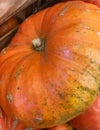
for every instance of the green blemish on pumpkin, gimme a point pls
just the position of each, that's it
(18, 73)
(63, 119)
(99, 68)
(86, 89)
(99, 89)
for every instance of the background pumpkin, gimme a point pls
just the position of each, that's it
(49, 73)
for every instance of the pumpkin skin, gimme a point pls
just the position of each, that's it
(90, 119)
(96, 2)
(49, 73)
(7, 123)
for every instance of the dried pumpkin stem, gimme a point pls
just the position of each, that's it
(38, 44)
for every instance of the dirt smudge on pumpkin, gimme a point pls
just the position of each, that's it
(37, 117)
(9, 98)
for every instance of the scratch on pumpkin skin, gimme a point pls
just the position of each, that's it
(1, 113)
(9, 98)
(18, 73)
(0, 82)
(63, 11)
(15, 124)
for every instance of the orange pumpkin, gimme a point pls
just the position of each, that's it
(50, 72)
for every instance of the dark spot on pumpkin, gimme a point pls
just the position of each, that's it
(61, 95)
(77, 31)
(18, 88)
(23, 65)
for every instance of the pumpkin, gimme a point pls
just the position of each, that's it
(96, 2)
(90, 119)
(50, 72)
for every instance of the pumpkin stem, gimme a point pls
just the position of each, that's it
(38, 44)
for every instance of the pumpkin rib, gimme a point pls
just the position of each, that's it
(5, 105)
